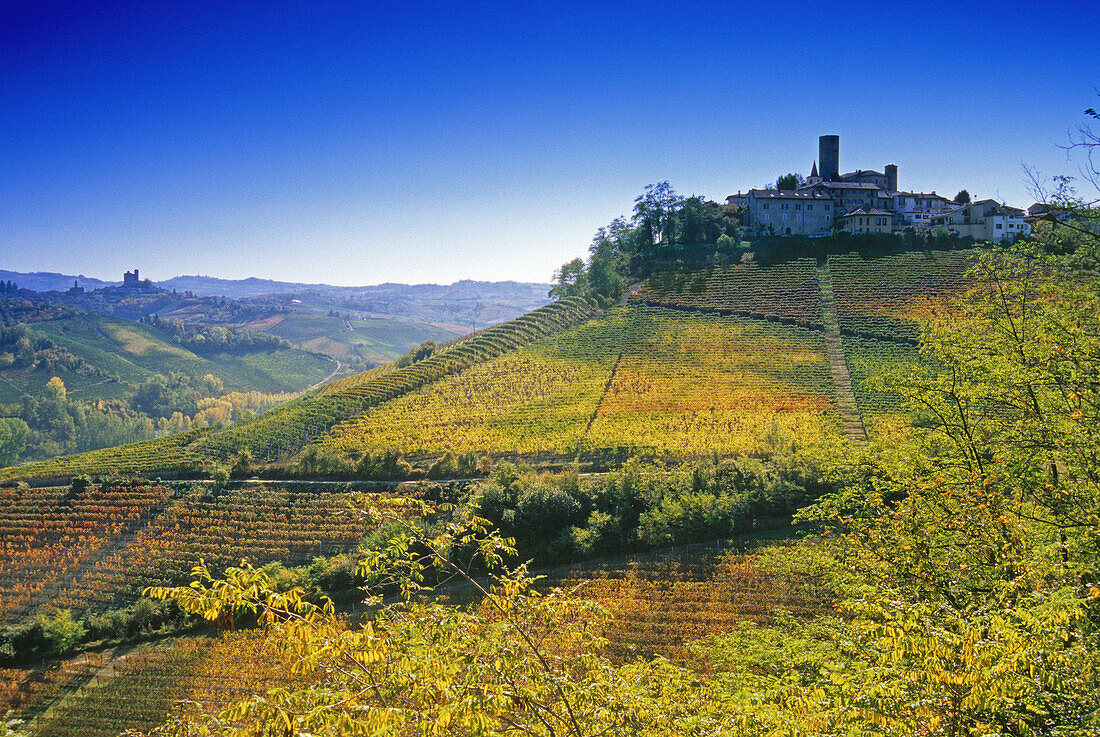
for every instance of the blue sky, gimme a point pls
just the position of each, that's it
(357, 143)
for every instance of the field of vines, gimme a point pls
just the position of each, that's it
(144, 685)
(169, 454)
(893, 296)
(788, 291)
(537, 399)
(661, 602)
(101, 547)
(291, 426)
(692, 384)
(661, 381)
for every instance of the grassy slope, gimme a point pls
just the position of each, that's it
(131, 352)
(374, 339)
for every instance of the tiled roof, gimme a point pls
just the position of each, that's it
(867, 211)
(842, 185)
(926, 195)
(861, 172)
(788, 194)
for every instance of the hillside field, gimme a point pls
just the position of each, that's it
(126, 353)
(733, 362)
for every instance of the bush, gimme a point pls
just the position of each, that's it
(220, 477)
(62, 632)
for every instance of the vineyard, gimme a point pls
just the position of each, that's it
(786, 291)
(537, 399)
(661, 602)
(661, 381)
(894, 296)
(289, 427)
(168, 454)
(101, 547)
(692, 384)
(145, 684)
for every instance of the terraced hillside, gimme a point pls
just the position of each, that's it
(100, 547)
(644, 380)
(891, 297)
(695, 364)
(691, 366)
(288, 428)
(786, 291)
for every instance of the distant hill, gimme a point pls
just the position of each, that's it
(208, 286)
(114, 356)
(46, 281)
(460, 290)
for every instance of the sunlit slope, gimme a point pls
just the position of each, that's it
(787, 292)
(881, 305)
(287, 429)
(169, 454)
(537, 399)
(639, 379)
(696, 384)
(131, 352)
(892, 297)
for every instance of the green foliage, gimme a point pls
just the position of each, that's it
(789, 182)
(418, 353)
(567, 517)
(242, 464)
(61, 631)
(220, 477)
(13, 439)
(969, 558)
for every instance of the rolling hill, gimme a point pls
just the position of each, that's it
(692, 366)
(120, 354)
(727, 363)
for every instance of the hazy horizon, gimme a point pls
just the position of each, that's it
(358, 144)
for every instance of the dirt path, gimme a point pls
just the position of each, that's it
(331, 376)
(850, 417)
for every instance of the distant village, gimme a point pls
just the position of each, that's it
(867, 201)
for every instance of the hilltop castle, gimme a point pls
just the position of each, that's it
(865, 201)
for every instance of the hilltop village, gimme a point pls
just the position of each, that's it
(866, 201)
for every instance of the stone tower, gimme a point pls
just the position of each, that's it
(828, 154)
(891, 172)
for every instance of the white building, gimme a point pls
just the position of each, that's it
(916, 209)
(984, 220)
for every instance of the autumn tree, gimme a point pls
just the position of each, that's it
(521, 663)
(971, 554)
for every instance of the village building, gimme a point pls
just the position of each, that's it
(867, 220)
(916, 209)
(984, 220)
(790, 212)
(859, 201)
